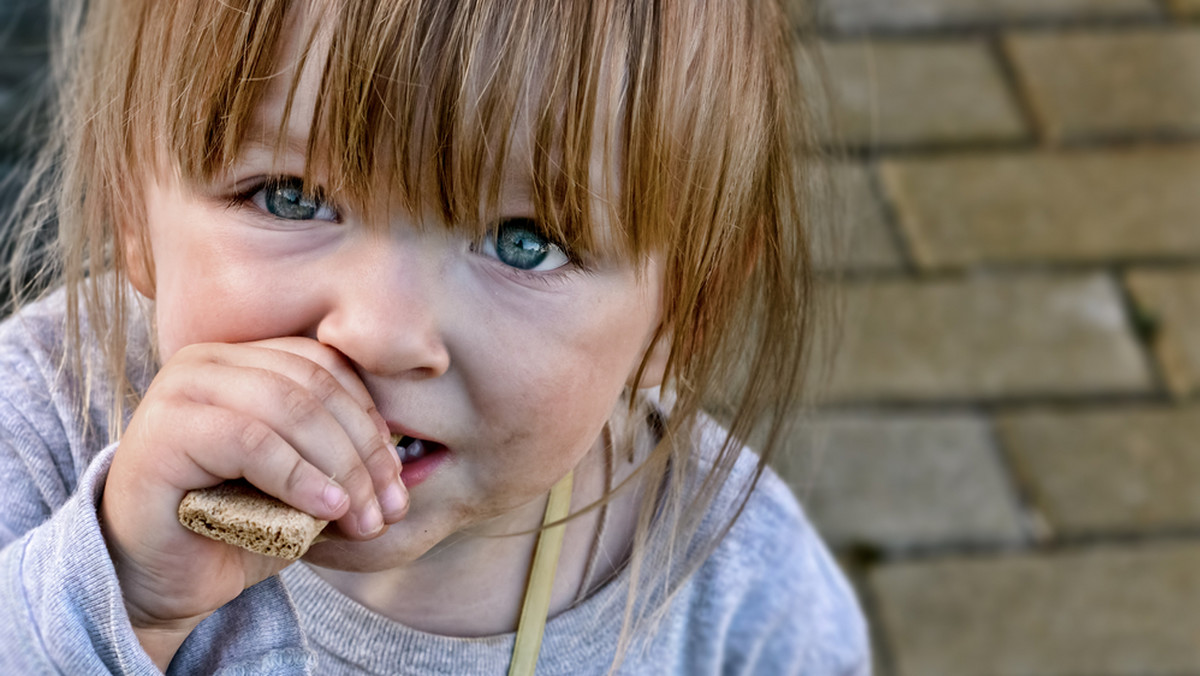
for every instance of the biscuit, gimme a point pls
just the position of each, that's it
(240, 514)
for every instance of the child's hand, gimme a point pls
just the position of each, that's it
(287, 414)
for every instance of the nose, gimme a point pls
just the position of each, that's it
(383, 313)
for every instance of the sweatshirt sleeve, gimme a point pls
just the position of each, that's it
(61, 608)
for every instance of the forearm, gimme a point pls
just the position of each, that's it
(61, 610)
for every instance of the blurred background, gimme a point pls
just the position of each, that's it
(1009, 461)
(23, 67)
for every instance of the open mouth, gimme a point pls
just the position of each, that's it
(411, 448)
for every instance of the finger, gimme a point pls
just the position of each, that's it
(264, 458)
(318, 419)
(337, 364)
(309, 362)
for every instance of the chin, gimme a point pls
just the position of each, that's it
(360, 557)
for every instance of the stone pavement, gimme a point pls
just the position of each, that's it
(1009, 459)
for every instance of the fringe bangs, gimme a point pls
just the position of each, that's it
(424, 102)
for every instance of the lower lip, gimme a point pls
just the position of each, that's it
(415, 472)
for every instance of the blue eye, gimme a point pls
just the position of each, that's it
(518, 243)
(285, 198)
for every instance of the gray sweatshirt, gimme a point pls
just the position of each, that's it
(769, 600)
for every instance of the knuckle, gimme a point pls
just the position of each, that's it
(299, 405)
(357, 478)
(255, 438)
(380, 456)
(188, 352)
(295, 477)
(323, 384)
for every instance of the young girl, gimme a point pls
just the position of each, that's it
(531, 240)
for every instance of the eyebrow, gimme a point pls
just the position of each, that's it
(293, 145)
(263, 134)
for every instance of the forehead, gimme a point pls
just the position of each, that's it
(439, 133)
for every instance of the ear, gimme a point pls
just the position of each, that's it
(653, 368)
(139, 259)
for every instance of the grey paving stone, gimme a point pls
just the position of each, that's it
(1102, 612)
(916, 93)
(986, 338)
(859, 236)
(1171, 299)
(1109, 470)
(858, 15)
(1073, 207)
(899, 481)
(1149, 85)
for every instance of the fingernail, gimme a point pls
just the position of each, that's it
(371, 520)
(334, 496)
(393, 500)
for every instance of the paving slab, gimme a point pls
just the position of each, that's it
(1109, 470)
(1048, 207)
(1103, 612)
(859, 238)
(905, 93)
(865, 15)
(986, 338)
(1149, 85)
(896, 481)
(1170, 299)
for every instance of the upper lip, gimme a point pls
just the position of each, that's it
(403, 431)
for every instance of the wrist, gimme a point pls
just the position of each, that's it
(158, 629)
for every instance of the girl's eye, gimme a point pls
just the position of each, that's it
(285, 198)
(518, 243)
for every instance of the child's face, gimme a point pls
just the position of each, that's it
(509, 373)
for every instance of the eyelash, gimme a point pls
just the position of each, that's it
(549, 279)
(247, 197)
(573, 264)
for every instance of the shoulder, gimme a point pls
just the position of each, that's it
(32, 381)
(33, 337)
(772, 582)
(39, 349)
(55, 401)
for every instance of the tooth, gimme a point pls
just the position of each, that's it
(413, 451)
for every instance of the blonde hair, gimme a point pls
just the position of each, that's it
(701, 117)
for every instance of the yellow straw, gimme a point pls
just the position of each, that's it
(532, 624)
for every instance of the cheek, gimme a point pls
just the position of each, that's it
(210, 293)
(566, 378)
